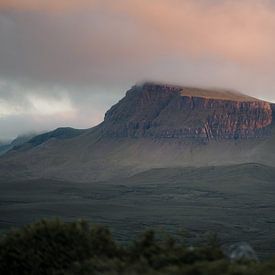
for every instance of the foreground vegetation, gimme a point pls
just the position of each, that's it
(55, 247)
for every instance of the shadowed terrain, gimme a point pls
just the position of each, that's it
(236, 202)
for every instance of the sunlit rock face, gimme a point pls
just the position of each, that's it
(165, 111)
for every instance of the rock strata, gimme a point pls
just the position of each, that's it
(165, 111)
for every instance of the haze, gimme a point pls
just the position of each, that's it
(63, 63)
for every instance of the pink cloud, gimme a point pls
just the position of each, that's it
(45, 5)
(107, 45)
(111, 43)
(239, 31)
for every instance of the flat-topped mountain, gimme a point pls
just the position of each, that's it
(166, 111)
(213, 93)
(153, 126)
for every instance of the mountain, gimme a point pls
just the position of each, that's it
(153, 126)
(166, 157)
(5, 147)
(59, 133)
(163, 111)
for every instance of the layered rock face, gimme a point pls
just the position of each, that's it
(164, 111)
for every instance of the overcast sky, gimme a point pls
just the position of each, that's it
(65, 62)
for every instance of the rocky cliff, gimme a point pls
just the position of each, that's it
(165, 111)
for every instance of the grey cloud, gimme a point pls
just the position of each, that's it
(94, 55)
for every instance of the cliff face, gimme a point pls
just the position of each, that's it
(163, 111)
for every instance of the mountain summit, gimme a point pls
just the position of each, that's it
(166, 111)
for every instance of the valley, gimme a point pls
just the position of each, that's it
(236, 202)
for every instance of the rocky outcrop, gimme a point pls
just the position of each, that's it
(165, 111)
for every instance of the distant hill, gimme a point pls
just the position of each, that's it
(5, 147)
(59, 133)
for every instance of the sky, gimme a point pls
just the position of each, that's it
(65, 62)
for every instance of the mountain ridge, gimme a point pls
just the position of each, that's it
(117, 147)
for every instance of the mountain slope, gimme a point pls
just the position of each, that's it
(153, 126)
(15, 143)
(59, 133)
(4, 147)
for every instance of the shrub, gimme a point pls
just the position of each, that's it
(58, 248)
(46, 246)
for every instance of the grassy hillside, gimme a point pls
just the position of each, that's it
(237, 202)
(90, 158)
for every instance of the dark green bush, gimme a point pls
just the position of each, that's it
(54, 247)
(46, 246)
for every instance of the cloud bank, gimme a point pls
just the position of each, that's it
(84, 54)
